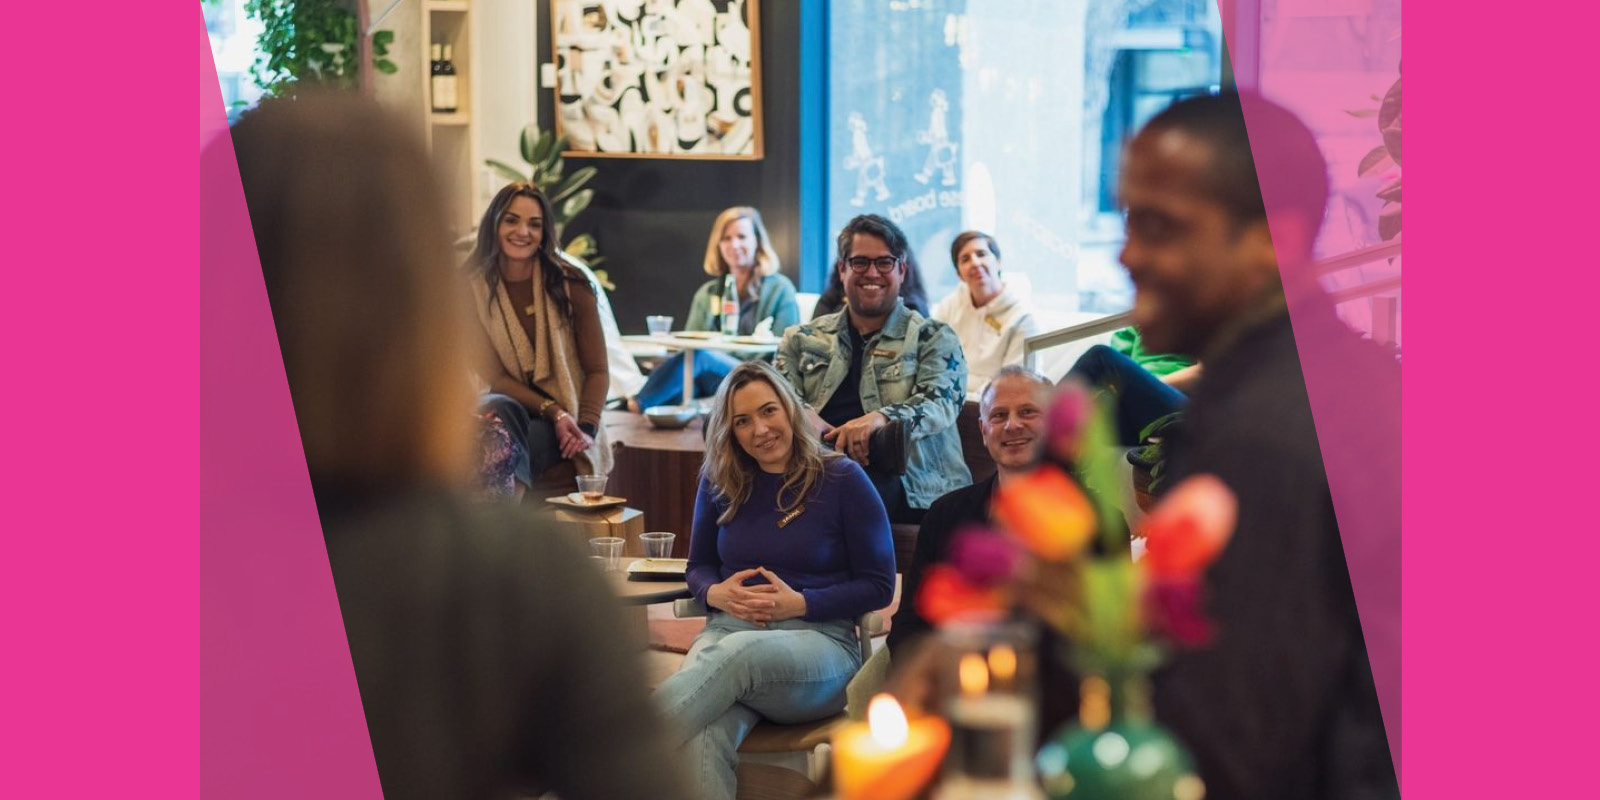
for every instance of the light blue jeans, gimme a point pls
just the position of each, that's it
(664, 386)
(737, 674)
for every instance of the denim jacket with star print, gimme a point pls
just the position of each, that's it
(914, 372)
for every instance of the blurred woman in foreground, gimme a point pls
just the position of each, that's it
(489, 658)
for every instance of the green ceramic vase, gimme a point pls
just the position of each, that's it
(1116, 751)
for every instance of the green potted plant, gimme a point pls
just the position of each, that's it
(312, 40)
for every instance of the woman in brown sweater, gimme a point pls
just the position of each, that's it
(547, 377)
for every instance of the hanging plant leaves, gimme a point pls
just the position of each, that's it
(1375, 161)
(1391, 140)
(1390, 191)
(1389, 222)
(1389, 109)
(1389, 121)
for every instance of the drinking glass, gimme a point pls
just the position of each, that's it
(608, 549)
(592, 487)
(657, 545)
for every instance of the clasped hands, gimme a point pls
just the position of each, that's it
(761, 603)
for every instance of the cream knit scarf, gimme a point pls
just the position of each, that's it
(549, 364)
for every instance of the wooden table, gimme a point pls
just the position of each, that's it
(645, 593)
(658, 471)
(689, 344)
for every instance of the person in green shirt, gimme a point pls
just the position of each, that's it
(738, 245)
(1147, 386)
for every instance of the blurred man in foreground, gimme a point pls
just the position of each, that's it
(1283, 703)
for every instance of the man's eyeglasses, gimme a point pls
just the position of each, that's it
(883, 265)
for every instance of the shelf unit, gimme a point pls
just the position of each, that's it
(451, 138)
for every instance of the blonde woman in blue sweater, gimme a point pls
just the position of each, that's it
(789, 545)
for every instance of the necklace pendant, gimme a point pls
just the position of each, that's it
(790, 517)
(528, 309)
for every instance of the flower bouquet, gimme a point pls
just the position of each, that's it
(1060, 550)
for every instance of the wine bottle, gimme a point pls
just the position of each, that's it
(436, 79)
(448, 70)
(730, 306)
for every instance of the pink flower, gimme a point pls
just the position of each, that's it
(983, 557)
(1172, 608)
(1068, 415)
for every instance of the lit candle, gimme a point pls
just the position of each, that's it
(887, 757)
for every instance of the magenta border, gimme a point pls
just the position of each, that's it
(1498, 547)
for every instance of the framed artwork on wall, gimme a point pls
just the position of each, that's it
(658, 78)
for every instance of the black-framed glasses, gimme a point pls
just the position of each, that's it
(884, 264)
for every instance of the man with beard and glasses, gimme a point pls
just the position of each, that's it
(882, 382)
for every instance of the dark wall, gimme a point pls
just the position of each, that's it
(651, 217)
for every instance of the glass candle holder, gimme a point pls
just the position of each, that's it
(992, 709)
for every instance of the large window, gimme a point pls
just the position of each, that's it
(233, 37)
(1008, 117)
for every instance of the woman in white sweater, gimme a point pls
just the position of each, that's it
(991, 321)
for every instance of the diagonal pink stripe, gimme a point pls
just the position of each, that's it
(1358, 425)
(280, 712)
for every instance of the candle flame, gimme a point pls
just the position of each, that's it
(973, 674)
(1003, 664)
(887, 722)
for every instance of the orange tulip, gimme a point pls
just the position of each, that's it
(1188, 530)
(945, 596)
(1047, 511)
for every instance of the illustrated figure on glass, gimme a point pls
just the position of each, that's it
(868, 165)
(941, 151)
